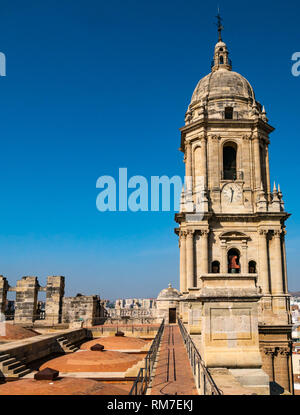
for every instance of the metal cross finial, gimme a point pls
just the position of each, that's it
(219, 24)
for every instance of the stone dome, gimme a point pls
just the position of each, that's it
(222, 83)
(223, 93)
(168, 293)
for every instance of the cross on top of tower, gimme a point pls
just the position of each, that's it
(219, 24)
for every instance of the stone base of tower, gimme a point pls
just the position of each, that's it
(223, 317)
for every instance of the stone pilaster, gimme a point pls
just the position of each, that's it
(182, 245)
(203, 165)
(257, 165)
(268, 173)
(263, 271)
(189, 167)
(204, 251)
(54, 295)
(224, 264)
(244, 258)
(190, 258)
(276, 259)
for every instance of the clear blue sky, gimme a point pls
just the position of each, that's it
(92, 86)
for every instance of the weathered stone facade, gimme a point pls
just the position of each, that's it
(225, 144)
(85, 308)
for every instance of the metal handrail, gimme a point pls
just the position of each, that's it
(143, 378)
(200, 371)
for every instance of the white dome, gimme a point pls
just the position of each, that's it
(168, 293)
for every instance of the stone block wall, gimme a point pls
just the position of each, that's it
(83, 308)
(26, 299)
(54, 297)
(3, 293)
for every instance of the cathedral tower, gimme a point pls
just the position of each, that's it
(233, 275)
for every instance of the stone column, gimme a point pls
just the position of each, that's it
(204, 252)
(190, 258)
(3, 293)
(189, 164)
(263, 271)
(26, 300)
(284, 262)
(277, 277)
(268, 365)
(54, 294)
(224, 262)
(284, 377)
(203, 165)
(246, 161)
(182, 245)
(257, 166)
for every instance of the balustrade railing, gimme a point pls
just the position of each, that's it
(203, 378)
(142, 381)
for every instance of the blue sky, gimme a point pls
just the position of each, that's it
(92, 86)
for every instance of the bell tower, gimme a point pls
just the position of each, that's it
(233, 275)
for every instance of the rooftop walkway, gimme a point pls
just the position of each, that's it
(173, 373)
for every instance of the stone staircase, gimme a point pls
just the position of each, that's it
(66, 345)
(11, 367)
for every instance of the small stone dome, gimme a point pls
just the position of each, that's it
(168, 293)
(65, 386)
(89, 361)
(116, 343)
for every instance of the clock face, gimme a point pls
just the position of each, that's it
(232, 193)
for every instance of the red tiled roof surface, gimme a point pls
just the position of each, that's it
(14, 332)
(88, 361)
(65, 386)
(116, 343)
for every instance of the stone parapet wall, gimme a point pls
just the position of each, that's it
(41, 346)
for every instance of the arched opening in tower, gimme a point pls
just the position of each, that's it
(252, 267)
(215, 267)
(233, 257)
(229, 161)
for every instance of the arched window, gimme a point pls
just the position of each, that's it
(233, 257)
(252, 267)
(221, 60)
(229, 161)
(215, 267)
